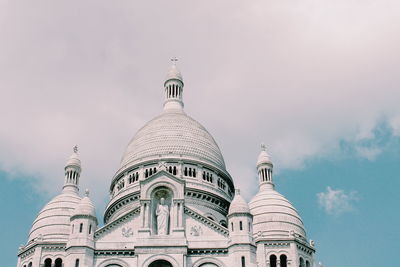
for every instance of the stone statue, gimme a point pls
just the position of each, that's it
(162, 213)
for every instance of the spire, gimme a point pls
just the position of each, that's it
(72, 172)
(173, 87)
(264, 168)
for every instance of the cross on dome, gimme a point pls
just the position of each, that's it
(174, 60)
(263, 147)
(75, 149)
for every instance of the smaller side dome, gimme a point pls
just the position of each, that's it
(274, 216)
(238, 204)
(52, 222)
(85, 207)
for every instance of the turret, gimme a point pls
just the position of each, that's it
(83, 225)
(240, 224)
(173, 87)
(72, 172)
(264, 168)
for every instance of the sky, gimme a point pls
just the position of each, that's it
(316, 81)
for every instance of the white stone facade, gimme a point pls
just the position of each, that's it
(173, 204)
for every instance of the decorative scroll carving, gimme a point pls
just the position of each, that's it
(196, 231)
(127, 232)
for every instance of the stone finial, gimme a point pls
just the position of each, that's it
(174, 60)
(263, 147)
(75, 149)
(87, 192)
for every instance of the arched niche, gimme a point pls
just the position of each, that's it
(156, 195)
(160, 263)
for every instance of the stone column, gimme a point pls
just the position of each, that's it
(178, 217)
(145, 213)
(179, 169)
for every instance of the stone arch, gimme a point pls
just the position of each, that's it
(160, 263)
(117, 262)
(165, 257)
(150, 190)
(203, 261)
(211, 217)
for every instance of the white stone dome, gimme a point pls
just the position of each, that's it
(274, 216)
(173, 134)
(53, 221)
(238, 204)
(85, 207)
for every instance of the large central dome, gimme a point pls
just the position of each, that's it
(173, 134)
(177, 144)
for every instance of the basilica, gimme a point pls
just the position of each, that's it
(172, 204)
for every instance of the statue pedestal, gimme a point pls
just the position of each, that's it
(144, 232)
(178, 232)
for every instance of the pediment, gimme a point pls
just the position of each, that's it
(205, 222)
(111, 226)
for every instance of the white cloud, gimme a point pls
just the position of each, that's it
(336, 202)
(291, 75)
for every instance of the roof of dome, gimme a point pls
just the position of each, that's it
(53, 221)
(85, 207)
(238, 204)
(74, 159)
(264, 157)
(173, 134)
(274, 216)
(174, 73)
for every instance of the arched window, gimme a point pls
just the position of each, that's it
(160, 263)
(47, 262)
(283, 259)
(80, 228)
(90, 229)
(301, 262)
(223, 223)
(58, 262)
(77, 263)
(307, 264)
(243, 259)
(174, 170)
(272, 261)
(232, 226)
(240, 225)
(30, 264)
